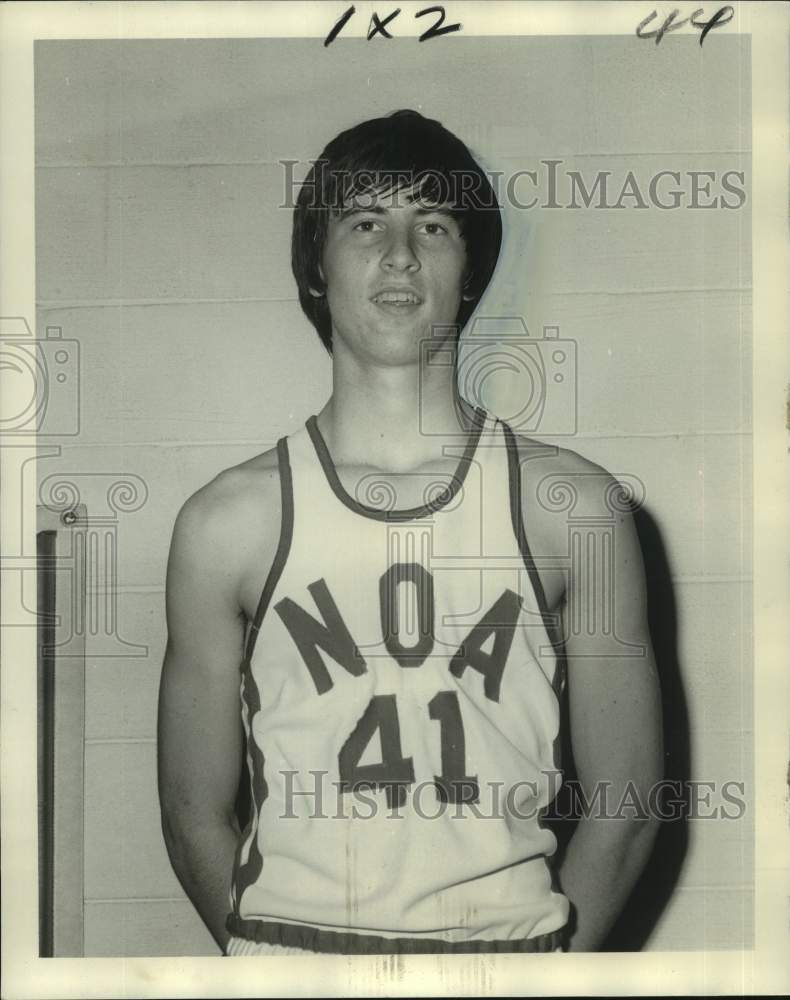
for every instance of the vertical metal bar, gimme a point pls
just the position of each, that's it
(45, 552)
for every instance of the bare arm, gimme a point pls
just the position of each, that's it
(199, 726)
(615, 724)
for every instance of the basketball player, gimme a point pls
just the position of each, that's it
(371, 589)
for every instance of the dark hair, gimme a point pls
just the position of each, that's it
(403, 151)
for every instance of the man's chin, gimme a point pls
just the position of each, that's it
(399, 336)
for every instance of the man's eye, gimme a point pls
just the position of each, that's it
(434, 228)
(367, 226)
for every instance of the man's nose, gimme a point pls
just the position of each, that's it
(399, 254)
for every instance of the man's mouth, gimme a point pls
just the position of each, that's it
(397, 298)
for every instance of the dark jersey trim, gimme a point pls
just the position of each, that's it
(411, 513)
(283, 547)
(348, 943)
(517, 519)
(245, 875)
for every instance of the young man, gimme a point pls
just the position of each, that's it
(376, 577)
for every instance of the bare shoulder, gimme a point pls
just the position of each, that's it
(230, 526)
(559, 486)
(557, 478)
(555, 459)
(240, 493)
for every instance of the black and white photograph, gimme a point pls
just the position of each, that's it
(394, 526)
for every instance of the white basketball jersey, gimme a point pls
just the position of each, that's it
(399, 696)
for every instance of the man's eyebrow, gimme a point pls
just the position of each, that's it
(344, 213)
(438, 210)
(350, 210)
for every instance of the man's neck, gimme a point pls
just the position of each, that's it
(393, 424)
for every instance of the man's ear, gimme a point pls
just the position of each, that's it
(314, 291)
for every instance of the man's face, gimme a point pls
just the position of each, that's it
(393, 268)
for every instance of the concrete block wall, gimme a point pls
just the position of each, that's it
(160, 247)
